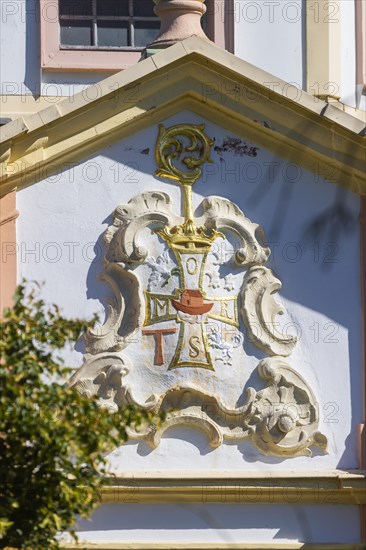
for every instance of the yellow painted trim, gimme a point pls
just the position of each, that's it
(323, 49)
(191, 75)
(178, 545)
(313, 488)
(8, 248)
(15, 106)
(19, 106)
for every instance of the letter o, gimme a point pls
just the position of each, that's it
(258, 172)
(287, 495)
(56, 258)
(285, 12)
(246, 7)
(296, 176)
(87, 92)
(92, 178)
(291, 258)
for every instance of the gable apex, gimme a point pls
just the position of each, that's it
(197, 75)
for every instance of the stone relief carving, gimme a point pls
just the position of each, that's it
(259, 311)
(281, 419)
(285, 413)
(188, 294)
(103, 378)
(161, 270)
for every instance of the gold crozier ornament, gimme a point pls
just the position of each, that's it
(179, 147)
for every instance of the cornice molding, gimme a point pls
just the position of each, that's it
(178, 545)
(8, 259)
(205, 79)
(9, 217)
(311, 487)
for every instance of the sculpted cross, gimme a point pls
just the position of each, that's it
(281, 419)
(188, 307)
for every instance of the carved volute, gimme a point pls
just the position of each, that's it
(187, 304)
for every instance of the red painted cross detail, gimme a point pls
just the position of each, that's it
(158, 335)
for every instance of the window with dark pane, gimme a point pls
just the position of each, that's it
(107, 24)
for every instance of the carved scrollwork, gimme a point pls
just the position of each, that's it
(172, 152)
(174, 290)
(281, 419)
(205, 424)
(223, 215)
(184, 405)
(103, 378)
(122, 237)
(123, 247)
(285, 414)
(259, 310)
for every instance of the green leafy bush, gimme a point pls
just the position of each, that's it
(52, 439)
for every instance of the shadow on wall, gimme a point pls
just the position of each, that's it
(223, 523)
(311, 227)
(32, 77)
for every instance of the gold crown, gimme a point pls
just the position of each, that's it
(171, 148)
(188, 237)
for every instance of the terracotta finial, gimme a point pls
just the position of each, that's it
(180, 19)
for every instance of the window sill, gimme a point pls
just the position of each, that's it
(87, 60)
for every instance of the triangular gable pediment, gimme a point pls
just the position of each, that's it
(195, 75)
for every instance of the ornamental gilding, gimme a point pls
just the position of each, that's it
(190, 297)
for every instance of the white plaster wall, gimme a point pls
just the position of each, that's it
(348, 53)
(60, 232)
(270, 35)
(216, 523)
(20, 63)
(67, 84)
(62, 220)
(19, 47)
(267, 34)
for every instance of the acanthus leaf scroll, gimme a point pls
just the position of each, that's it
(182, 312)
